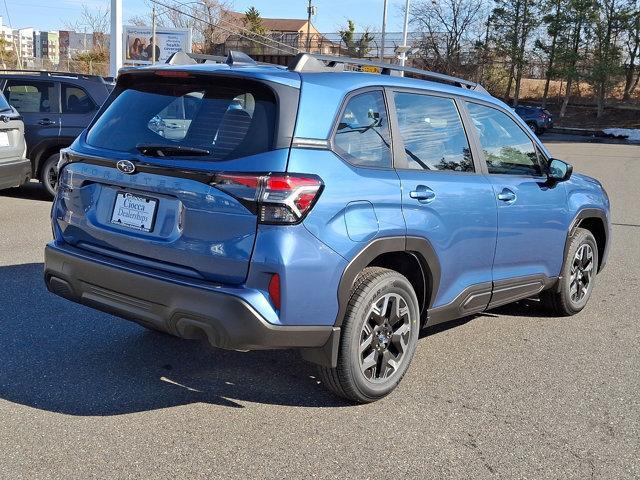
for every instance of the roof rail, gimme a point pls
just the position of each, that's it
(51, 73)
(311, 62)
(233, 58)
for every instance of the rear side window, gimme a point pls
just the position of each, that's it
(4, 105)
(223, 119)
(32, 97)
(432, 131)
(507, 149)
(362, 137)
(76, 100)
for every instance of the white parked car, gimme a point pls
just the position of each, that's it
(15, 168)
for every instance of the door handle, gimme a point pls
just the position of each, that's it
(423, 194)
(507, 196)
(45, 122)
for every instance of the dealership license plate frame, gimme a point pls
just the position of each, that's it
(142, 228)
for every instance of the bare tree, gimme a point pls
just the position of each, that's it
(209, 20)
(94, 20)
(447, 25)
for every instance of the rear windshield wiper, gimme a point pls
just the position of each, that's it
(167, 150)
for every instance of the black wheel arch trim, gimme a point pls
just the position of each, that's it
(43, 150)
(419, 247)
(585, 214)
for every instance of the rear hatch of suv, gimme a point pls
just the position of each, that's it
(166, 175)
(12, 145)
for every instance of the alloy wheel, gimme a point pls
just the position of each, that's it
(51, 177)
(581, 273)
(384, 338)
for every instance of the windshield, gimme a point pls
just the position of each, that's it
(223, 118)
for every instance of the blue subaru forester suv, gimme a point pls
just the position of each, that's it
(319, 208)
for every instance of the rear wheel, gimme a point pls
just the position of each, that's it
(378, 339)
(49, 174)
(578, 276)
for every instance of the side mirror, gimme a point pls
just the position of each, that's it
(559, 171)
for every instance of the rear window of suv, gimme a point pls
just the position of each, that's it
(221, 118)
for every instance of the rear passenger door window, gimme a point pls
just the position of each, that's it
(507, 149)
(76, 100)
(362, 137)
(432, 132)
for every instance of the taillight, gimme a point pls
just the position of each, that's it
(275, 198)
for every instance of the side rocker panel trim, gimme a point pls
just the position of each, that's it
(483, 296)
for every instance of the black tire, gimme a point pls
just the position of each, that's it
(49, 174)
(374, 287)
(571, 295)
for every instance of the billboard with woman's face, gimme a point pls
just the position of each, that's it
(140, 47)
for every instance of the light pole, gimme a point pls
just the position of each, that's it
(403, 56)
(153, 34)
(384, 29)
(115, 42)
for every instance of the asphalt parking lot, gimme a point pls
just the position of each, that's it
(508, 394)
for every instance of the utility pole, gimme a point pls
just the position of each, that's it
(384, 30)
(153, 34)
(115, 41)
(311, 10)
(405, 30)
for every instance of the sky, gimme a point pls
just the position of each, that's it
(332, 15)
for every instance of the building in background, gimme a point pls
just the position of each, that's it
(23, 43)
(284, 38)
(54, 47)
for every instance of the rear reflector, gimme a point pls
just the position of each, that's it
(275, 198)
(274, 290)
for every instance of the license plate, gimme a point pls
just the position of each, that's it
(134, 211)
(4, 139)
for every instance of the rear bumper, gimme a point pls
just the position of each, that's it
(14, 173)
(188, 311)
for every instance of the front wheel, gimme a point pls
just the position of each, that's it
(578, 276)
(379, 337)
(49, 174)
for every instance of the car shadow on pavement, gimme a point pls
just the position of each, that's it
(62, 357)
(28, 191)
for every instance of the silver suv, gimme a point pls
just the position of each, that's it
(15, 168)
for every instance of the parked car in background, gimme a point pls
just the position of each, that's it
(333, 211)
(539, 119)
(55, 108)
(15, 168)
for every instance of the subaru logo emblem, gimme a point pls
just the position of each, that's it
(125, 166)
